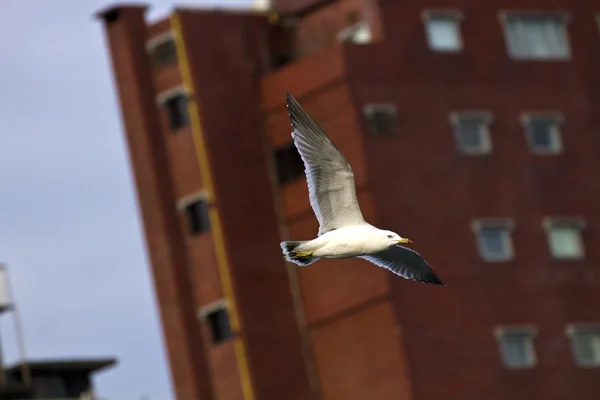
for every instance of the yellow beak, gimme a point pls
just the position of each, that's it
(405, 240)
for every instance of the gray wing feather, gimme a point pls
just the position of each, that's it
(404, 262)
(330, 178)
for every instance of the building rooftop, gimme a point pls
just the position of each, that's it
(61, 365)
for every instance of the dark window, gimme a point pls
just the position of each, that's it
(220, 329)
(470, 133)
(517, 349)
(586, 348)
(197, 216)
(540, 36)
(495, 242)
(177, 109)
(289, 164)
(164, 53)
(282, 59)
(541, 133)
(381, 121)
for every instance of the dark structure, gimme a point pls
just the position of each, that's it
(54, 379)
(472, 129)
(47, 379)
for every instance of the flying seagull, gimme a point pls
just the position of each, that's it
(343, 232)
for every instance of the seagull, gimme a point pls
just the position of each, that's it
(343, 232)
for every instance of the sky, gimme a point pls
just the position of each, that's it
(70, 229)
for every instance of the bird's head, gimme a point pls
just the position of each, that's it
(393, 238)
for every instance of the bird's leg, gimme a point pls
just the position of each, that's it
(303, 253)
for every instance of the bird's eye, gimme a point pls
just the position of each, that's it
(390, 236)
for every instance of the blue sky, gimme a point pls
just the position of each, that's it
(70, 230)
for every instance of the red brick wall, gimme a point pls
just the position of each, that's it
(202, 269)
(126, 34)
(227, 90)
(324, 294)
(437, 192)
(337, 294)
(361, 356)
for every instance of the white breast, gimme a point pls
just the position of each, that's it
(349, 241)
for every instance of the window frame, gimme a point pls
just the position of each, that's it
(571, 332)
(431, 15)
(158, 40)
(486, 118)
(577, 223)
(369, 109)
(203, 315)
(556, 118)
(503, 223)
(164, 97)
(500, 332)
(505, 18)
(185, 202)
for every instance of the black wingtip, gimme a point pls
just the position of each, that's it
(437, 281)
(433, 279)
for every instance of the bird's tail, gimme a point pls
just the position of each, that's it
(302, 258)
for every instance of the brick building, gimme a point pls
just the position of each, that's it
(472, 127)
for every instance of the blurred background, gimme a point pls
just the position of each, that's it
(148, 175)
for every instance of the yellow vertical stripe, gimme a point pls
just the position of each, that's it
(215, 220)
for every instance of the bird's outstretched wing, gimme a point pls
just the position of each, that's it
(330, 178)
(406, 263)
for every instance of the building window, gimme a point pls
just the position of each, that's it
(216, 317)
(442, 29)
(164, 54)
(516, 346)
(197, 216)
(585, 344)
(359, 33)
(381, 119)
(564, 237)
(162, 49)
(288, 163)
(536, 35)
(494, 239)
(177, 110)
(471, 132)
(175, 103)
(543, 132)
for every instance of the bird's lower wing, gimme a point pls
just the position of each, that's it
(405, 262)
(330, 178)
